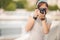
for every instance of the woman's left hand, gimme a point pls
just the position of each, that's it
(41, 16)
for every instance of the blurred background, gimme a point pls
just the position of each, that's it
(14, 15)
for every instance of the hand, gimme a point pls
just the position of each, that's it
(40, 15)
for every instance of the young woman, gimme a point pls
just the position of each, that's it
(38, 25)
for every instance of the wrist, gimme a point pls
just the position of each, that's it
(34, 17)
(43, 19)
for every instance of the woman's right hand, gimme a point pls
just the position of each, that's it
(36, 12)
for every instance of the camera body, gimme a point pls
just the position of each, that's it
(42, 10)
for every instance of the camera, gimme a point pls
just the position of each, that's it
(42, 10)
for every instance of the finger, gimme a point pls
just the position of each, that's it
(36, 12)
(42, 15)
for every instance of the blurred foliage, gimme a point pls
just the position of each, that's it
(10, 7)
(0, 4)
(4, 3)
(21, 4)
(59, 9)
(7, 5)
(31, 8)
(51, 8)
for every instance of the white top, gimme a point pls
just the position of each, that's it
(36, 32)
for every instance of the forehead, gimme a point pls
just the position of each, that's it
(43, 6)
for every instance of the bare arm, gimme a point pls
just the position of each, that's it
(30, 24)
(46, 27)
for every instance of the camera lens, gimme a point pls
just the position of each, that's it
(42, 10)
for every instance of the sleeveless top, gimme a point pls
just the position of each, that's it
(36, 33)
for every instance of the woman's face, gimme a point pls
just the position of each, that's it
(44, 6)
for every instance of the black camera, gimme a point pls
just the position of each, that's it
(42, 10)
